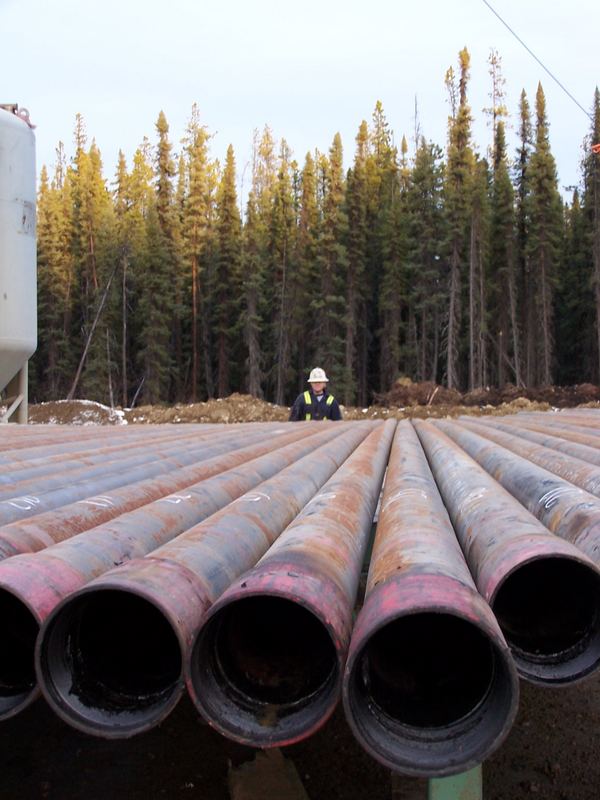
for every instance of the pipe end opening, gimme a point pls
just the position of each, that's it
(430, 694)
(17, 668)
(110, 663)
(549, 612)
(264, 669)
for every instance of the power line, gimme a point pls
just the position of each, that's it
(542, 65)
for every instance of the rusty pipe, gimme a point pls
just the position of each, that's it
(585, 452)
(34, 533)
(128, 467)
(569, 434)
(48, 444)
(564, 431)
(93, 674)
(266, 665)
(430, 687)
(146, 446)
(570, 467)
(31, 585)
(517, 565)
(30, 504)
(565, 509)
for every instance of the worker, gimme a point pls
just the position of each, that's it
(316, 402)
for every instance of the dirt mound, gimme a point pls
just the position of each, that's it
(405, 393)
(235, 408)
(557, 396)
(404, 400)
(75, 412)
(426, 393)
(444, 410)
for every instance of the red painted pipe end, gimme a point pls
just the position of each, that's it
(430, 688)
(19, 629)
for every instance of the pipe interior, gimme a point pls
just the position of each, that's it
(548, 607)
(426, 670)
(117, 649)
(271, 651)
(19, 632)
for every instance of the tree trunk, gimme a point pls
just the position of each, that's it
(514, 324)
(124, 333)
(194, 392)
(282, 338)
(472, 306)
(253, 342)
(349, 394)
(111, 398)
(453, 321)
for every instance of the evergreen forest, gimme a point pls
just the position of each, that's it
(441, 264)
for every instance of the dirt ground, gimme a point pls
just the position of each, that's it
(552, 752)
(238, 408)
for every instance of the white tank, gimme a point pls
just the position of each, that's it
(18, 285)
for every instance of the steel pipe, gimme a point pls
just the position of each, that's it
(151, 459)
(73, 440)
(266, 665)
(565, 509)
(32, 585)
(34, 533)
(125, 449)
(517, 564)
(584, 452)
(577, 435)
(571, 468)
(430, 688)
(31, 504)
(93, 673)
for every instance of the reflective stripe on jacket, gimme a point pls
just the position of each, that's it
(308, 403)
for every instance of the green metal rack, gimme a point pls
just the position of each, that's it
(466, 786)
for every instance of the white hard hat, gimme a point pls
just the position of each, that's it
(317, 375)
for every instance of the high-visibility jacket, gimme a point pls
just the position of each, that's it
(307, 407)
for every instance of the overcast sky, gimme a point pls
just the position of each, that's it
(307, 69)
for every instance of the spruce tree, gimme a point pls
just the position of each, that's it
(226, 298)
(253, 290)
(591, 209)
(155, 316)
(357, 203)
(256, 239)
(427, 256)
(303, 321)
(543, 243)
(281, 269)
(53, 364)
(504, 324)
(170, 228)
(195, 235)
(458, 184)
(329, 307)
(478, 247)
(524, 281)
(397, 332)
(575, 303)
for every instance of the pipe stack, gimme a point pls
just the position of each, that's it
(138, 562)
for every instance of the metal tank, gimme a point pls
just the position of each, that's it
(18, 290)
